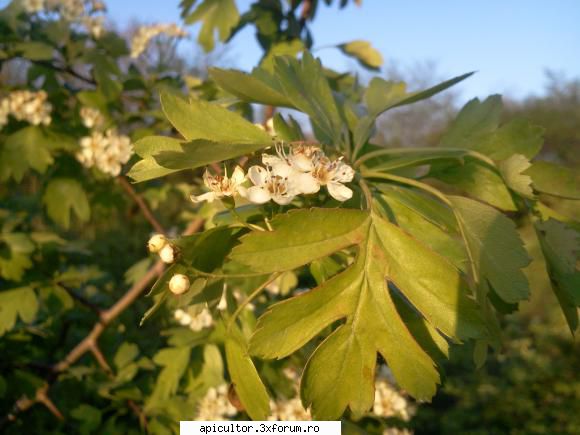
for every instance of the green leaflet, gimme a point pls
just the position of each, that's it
(20, 302)
(148, 168)
(343, 365)
(64, 195)
(249, 87)
(174, 361)
(479, 181)
(214, 133)
(561, 247)
(26, 148)
(555, 180)
(248, 385)
(219, 16)
(495, 248)
(512, 172)
(363, 52)
(15, 252)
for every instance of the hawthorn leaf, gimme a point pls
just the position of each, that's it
(249, 387)
(249, 87)
(413, 157)
(307, 88)
(284, 48)
(34, 50)
(342, 367)
(174, 362)
(22, 150)
(219, 16)
(17, 303)
(475, 121)
(496, 249)
(148, 168)
(561, 248)
(64, 196)
(555, 180)
(518, 136)
(15, 255)
(477, 180)
(198, 119)
(287, 130)
(512, 172)
(364, 53)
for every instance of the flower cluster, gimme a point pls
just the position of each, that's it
(303, 169)
(92, 118)
(215, 405)
(195, 322)
(389, 402)
(145, 34)
(290, 409)
(107, 151)
(76, 11)
(26, 106)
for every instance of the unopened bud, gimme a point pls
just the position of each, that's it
(179, 284)
(167, 254)
(156, 243)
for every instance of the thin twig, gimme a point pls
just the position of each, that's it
(141, 203)
(89, 342)
(65, 70)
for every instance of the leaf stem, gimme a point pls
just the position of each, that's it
(251, 297)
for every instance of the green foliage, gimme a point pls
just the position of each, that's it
(62, 197)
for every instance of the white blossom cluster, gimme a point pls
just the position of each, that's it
(389, 402)
(92, 118)
(107, 151)
(215, 405)
(76, 11)
(145, 34)
(303, 169)
(26, 106)
(195, 322)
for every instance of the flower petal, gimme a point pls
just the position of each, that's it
(238, 176)
(258, 195)
(258, 175)
(208, 196)
(303, 182)
(302, 163)
(339, 191)
(283, 199)
(343, 173)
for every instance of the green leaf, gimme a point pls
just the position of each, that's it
(515, 137)
(250, 87)
(125, 355)
(64, 196)
(148, 168)
(408, 157)
(478, 180)
(382, 95)
(561, 248)
(89, 417)
(364, 53)
(20, 302)
(219, 16)
(174, 361)
(555, 180)
(495, 248)
(284, 48)
(340, 372)
(34, 50)
(307, 88)
(15, 253)
(512, 172)
(475, 121)
(289, 131)
(23, 150)
(249, 387)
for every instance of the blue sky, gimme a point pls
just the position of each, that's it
(509, 42)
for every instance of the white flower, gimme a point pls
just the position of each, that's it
(221, 186)
(179, 284)
(144, 34)
(167, 254)
(268, 186)
(201, 320)
(333, 174)
(215, 406)
(91, 118)
(28, 106)
(33, 6)
(108, 152)
(156, 243)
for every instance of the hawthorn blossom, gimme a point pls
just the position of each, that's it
(92, 118)
(145, 34)
(268, 186)
(215, 405)
(333, 174)
(222, 185)
(28, 106)
(108, 151)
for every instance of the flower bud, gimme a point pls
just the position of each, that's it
(156, 243)
(167, 254)
(179, 284)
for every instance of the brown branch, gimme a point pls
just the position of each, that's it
(89, 343)
(65, 70)
(141, 203)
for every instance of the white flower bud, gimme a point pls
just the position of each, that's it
(179, 284)
(156, 243)
(167, 254)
